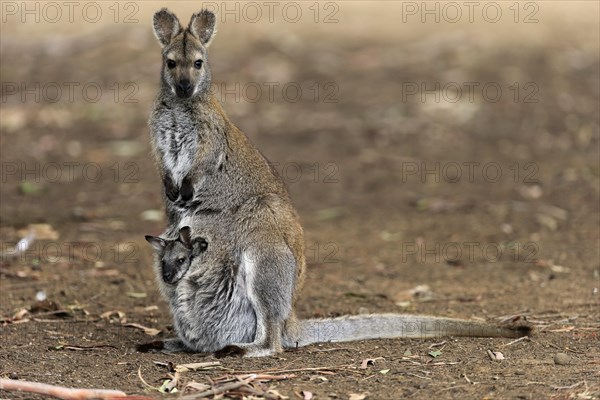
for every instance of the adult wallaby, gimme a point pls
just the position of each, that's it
(241, 299)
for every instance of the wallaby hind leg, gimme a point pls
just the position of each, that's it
(272, 303)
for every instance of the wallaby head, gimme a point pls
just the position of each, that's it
(185, 72)
(176, 255)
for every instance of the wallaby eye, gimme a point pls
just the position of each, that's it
(171, 64)
(181, 260)
(198, 64)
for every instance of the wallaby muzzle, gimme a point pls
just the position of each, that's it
(184, 88)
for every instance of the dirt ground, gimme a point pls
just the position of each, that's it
(485, 188)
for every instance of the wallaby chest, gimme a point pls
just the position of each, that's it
(177, 134)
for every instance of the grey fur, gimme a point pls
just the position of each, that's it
(240, 294)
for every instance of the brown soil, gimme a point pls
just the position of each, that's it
(377, 224)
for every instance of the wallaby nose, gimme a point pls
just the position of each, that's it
(185, 86)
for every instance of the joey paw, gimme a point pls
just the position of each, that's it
(230, 351)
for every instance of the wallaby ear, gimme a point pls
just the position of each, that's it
(156, 242)
(166, 26)
(185, 236)
(203, 25)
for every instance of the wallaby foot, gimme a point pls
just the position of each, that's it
(167, 346)
(230, 351)
(245, 350)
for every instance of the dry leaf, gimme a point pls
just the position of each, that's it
(565, 329)
(136, 295)
(369, 361)
(276, 393)
(20, 314)
(147, 331)
(495, 355)
(198, 387)
(41, 231)
(357, 396)
(196, 366)
(146, 309)
(114, 315)
(306, 395)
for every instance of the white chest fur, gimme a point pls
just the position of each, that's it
(178, 144)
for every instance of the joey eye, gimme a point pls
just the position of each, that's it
(198, 64)
(181, 260)
(171, 64)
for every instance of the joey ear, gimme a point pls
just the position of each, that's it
(166, 26)
(156, 242)
(203, 25)
(185, 236)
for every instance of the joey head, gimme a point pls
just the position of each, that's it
(176, 255)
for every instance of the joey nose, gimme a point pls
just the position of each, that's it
(185, 87)
(168, 276)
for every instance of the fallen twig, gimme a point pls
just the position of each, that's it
(568, 387)
(88, 348)
(437, 344)
(266, 377)
(333, 349)
(450, 388)
(59, 392)
(144, 381)
(280, 371)
(516, 341)
(418, 376)
(221, 389)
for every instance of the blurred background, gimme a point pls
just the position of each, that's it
(440, 143)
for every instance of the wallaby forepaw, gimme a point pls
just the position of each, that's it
(230, 351)
(172, 193)
(187, 189)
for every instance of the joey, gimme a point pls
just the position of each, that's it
(176, 255)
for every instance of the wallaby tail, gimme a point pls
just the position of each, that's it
(386, 326)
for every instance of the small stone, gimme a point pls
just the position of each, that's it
(562, 359)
